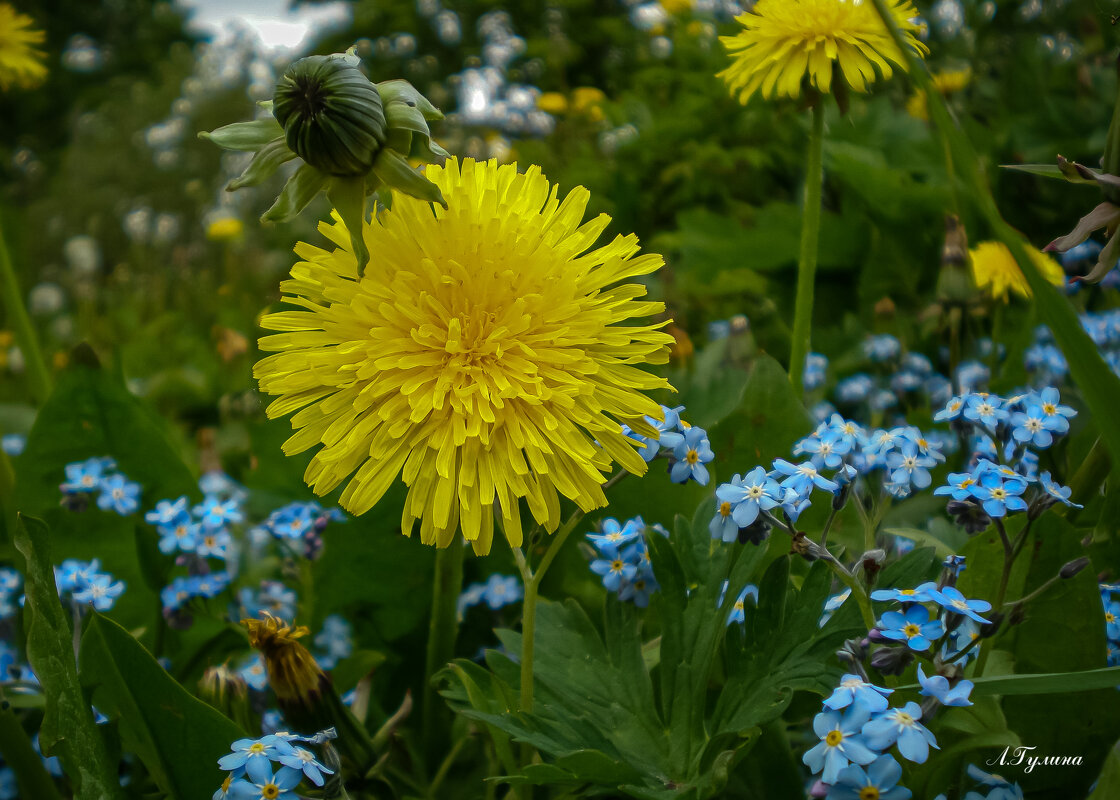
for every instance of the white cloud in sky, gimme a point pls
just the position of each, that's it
(275, 22)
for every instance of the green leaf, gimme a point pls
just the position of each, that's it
(68, 728)
(1049, 171)
(1050, 683)
(178, 737)
(92, 414)
(1063, 630)
(769, 420)
(940, 546)
(246, 136)
(784, 649)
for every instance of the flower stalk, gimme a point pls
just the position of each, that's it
(443, 627)
(807, 261)
(38, 376)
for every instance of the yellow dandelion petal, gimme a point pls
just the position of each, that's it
(488, 354)
(996, 273)
(21, 62)
(782, 42)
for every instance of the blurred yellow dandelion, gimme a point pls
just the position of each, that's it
(487, 354)
(225, 229)
(783, 41)
(946, 83)
(995, 271)
(552, 102)
(21, 63)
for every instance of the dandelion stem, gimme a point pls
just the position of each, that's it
(807, 263)
(38, 376)
(532, 582)
(442, 629)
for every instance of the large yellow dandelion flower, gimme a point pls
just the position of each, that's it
(485, 356)
(782, 41)
(21, 64)
(995, 271)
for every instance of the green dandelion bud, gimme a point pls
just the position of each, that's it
(331, 114)
(352, 138)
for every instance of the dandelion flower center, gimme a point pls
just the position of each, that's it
(486, 355)
(784, 41)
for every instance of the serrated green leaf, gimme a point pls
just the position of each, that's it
(92, 414)
(68, 728)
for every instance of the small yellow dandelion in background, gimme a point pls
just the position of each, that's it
(783, 41)
(995, 271)
(552, 102)
(225, 229)
(21, 63)
(677, 7)
(946, 83)
(487, 354)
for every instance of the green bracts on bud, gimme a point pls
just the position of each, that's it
(331, 114)
(263, 166)
(354, 138)
(245, 136)
(395, 171)
(300, 190)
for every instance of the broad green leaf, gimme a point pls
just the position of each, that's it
(1108, 786)
(68, 728)
(178, 737)
(925, 538)
(92, 414)
(765, 426)
(1049, 683)
(1063, 630)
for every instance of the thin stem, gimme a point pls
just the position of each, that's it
(442, 629)
(38, 376)
(827, 527)
(858, 592)
(532, 581)
(445, 767)
(807, 263)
